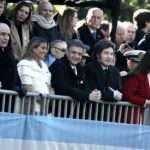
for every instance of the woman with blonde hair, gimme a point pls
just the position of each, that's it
(67, 24)
(33, 71)
(65, 30)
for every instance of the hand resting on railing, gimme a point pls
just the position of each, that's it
(117, 94)
(95, 95)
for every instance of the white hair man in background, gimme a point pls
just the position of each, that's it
(90, 31)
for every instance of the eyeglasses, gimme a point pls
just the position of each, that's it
(61, 49)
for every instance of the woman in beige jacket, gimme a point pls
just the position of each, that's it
(21, 28)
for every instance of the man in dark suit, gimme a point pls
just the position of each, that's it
(90, 32)
(101, 75)
(68, 75)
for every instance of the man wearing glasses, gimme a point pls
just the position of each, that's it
(57, 51)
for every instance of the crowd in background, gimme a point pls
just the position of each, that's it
(48, 53)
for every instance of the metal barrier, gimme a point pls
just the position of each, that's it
(64, 106)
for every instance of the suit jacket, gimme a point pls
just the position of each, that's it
(121, 61)
(18, 48)
(65, 82)
(136, 89)
(96, 79)
(87, 38)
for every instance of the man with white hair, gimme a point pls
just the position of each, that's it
(120, 34)
(130, 34)
(90, 31)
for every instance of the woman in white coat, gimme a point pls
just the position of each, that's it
(33, 71)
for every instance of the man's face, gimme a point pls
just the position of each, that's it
(94, 19)
(46, 10)
(74, 55)
(59, 50)
(120, 37)
(106, 57)
(4, 37)
(130, 33)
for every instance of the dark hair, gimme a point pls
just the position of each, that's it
(144, 43)
(77, 43)
(101, 45)
(34, 43)
(143, 66)
(141, 19)
(105, 26)
(19, 6)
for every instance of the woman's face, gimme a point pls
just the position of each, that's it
(40, 52)
(23, 14)
(2, 5)
(74, 20)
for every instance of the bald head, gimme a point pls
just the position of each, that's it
(4, 28)
(94, 17)
(4, 35)
(45, 9)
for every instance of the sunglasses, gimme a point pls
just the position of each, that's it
(61, 49)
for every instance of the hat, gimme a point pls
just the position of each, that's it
(134, 55)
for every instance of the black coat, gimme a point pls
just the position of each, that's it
(121, 61)
(139, 35)
(87, 38)
(48, 34)
(96, 79)
(3, 19)
(57, 35)
(65, 82)
(8, 70)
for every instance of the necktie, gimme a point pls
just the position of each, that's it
(94, 35)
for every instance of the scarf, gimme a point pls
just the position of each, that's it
(43, 22)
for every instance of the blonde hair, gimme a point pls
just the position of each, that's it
(34, 43)
(65, 21)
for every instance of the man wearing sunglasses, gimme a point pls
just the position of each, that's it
(58, 49)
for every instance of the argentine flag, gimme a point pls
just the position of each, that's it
(20, 132)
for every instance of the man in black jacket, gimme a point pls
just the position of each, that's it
(68, 75)
(9, 77)
(90, 32)
(101, 75)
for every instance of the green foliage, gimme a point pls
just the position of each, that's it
(129, 6)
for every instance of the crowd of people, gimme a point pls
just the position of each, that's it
(49, 53)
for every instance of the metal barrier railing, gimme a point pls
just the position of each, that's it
(64, 106)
